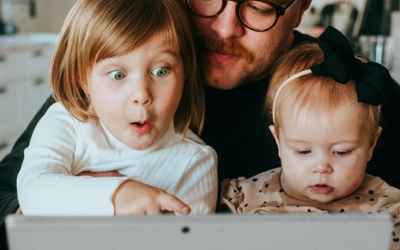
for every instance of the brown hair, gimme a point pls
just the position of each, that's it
(314, 92)
(98, 29)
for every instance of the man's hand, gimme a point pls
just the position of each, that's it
(101, 174)
(133, 197)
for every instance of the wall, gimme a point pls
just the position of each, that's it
(50, 15)
(312, 15)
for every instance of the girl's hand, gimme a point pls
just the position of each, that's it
(101, 174)
(133, 197)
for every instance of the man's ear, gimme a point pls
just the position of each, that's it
(304, 5)
(273, 132)
(373, 143)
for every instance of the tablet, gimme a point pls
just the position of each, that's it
(219, 231)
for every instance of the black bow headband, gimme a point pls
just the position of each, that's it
(374, 85)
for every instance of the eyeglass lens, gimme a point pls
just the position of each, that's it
(255, 15)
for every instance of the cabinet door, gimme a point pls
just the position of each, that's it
(37, 91)
(40, 60)
(12, 105)
(13, 64)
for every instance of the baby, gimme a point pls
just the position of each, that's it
(325, 107)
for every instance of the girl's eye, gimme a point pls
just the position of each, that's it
(160, 72)
(117, 75)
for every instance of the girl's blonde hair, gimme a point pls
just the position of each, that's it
(98, 29)
(317, 93)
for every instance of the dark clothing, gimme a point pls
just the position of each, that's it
(237, 129)
(9, 168)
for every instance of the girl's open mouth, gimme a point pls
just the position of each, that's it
(141, 127)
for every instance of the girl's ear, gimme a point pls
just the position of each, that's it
(373, 143)
(85, 89)
(82, 83)
(273, 132)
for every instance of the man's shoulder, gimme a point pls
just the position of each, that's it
(300, 38)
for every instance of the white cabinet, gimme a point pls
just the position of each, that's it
(24, 82)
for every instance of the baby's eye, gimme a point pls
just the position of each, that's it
(304, 152)
(341, 153)
(160, 72)
(117, 74)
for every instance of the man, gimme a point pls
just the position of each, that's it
(237, 53)
(236, 61)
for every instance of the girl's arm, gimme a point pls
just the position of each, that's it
(199, 185)
(45, 183)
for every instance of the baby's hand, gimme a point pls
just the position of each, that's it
(133, 197)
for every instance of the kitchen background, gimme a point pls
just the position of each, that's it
(28, 33)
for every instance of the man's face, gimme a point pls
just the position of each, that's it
(232, 55)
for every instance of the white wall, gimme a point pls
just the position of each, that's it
(50, 15)
(310, 19)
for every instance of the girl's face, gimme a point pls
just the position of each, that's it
(324, 155)
(136, 95)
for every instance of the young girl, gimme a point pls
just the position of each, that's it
(124, 73)
(324, 136)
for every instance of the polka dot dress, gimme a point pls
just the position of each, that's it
(263, 193)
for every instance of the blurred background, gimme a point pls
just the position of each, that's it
(29, 30)
(372, 26)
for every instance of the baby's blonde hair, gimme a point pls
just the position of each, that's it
(98, 29)
(316, 93)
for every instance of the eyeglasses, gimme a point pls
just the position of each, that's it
(255, 15)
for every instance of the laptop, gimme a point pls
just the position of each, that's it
(219, 231)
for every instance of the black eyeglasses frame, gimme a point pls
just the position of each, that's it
(280, 11)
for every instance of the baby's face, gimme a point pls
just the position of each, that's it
(324, 155)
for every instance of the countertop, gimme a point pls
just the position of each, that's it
(10, 42)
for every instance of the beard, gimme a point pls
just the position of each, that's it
(258, 64)
(230, 47)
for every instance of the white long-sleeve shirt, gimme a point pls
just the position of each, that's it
(62, 147)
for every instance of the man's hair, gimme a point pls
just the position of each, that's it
(316, 93)
(98, 29)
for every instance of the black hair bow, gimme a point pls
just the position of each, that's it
(374, 85)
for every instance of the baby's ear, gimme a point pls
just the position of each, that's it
(272, 129)
(273, 132)
(373, 143)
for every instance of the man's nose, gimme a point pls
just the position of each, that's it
(227, 25)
